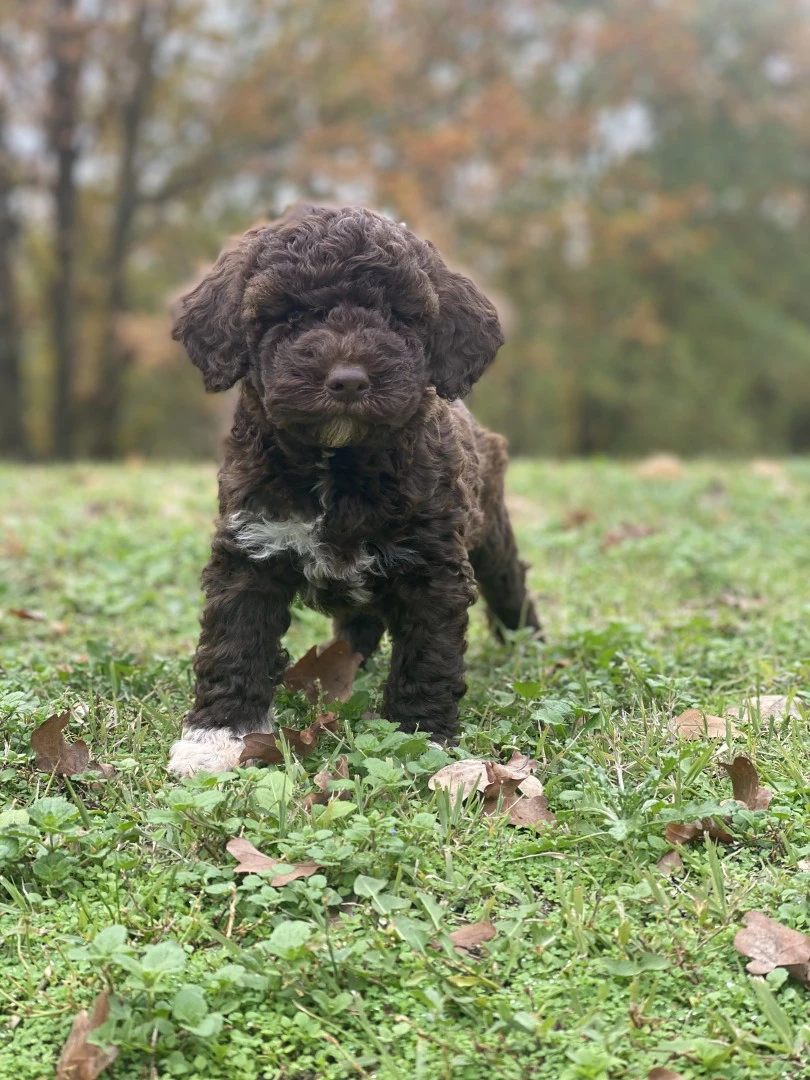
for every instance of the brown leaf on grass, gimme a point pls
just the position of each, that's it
(470, 937)
(252, 861)
(322, 781)
(13, 547)
(766, 706)
(52, 753)
(461, 776)
(508, 789)
(745, 784)
(526, 812)
(741, 603)
(695, 724)
(265, 746)
(767, 469)
(486, 777)
(769, 945)
(261, 746)
(27, 613)
(81, 1060)
(660, 467)
(663, 1074)
(624, 532)
(512, 790)
(508, 777)
(328, 670)
(683, 833)
(747, 792)
(578, 516)
(671, 863)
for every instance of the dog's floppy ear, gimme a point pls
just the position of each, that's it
(465, 335)
(210, 322)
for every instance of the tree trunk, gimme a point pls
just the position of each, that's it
(66, 50)
(13, 441)
(114, 357)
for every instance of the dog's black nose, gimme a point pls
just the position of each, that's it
(347, 383)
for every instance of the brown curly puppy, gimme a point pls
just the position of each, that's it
(352, 476)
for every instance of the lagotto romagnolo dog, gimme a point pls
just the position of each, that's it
(353, 475)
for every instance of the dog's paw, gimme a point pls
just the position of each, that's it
(211, 750)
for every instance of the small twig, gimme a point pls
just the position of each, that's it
(231, 913)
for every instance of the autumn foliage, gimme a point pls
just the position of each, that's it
(627, 178)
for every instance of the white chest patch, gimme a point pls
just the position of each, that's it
(261, 538)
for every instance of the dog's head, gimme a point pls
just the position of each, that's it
(340, 319)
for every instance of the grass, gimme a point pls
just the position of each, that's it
(602, 967)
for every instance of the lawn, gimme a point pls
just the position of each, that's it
(659, 593)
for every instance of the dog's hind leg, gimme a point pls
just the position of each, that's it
(363, 632)
(501, 576)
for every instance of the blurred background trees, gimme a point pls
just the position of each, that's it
(628, 178)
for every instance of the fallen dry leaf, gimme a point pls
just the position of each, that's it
(81, 1060)
(52, 753)
(741, 603)
(526, 812)
(461, 776)
(747, 792)
(767, 705)
(471, 936)
(512, 790)
(663, 1074)
(252, 861)
(745, 784)
(624, 532)
(768, 469)
(578, 516)
(322, 780)
(671, 863)
(769, 945)
(660, 467)
(327, 669)
(508, 777)
(27, 613)
(683, 833)
(508, 789)
(12, 547)
(264, 746)
(695, 724)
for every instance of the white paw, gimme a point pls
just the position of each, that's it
(211, 750)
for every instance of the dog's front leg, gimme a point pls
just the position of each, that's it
(239, 659)
(427, 619)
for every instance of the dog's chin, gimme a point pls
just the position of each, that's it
(341, 431)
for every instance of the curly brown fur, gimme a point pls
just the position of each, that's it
(351, 476)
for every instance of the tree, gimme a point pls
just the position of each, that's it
(13, 441)
(67, 41)
(148, 27)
